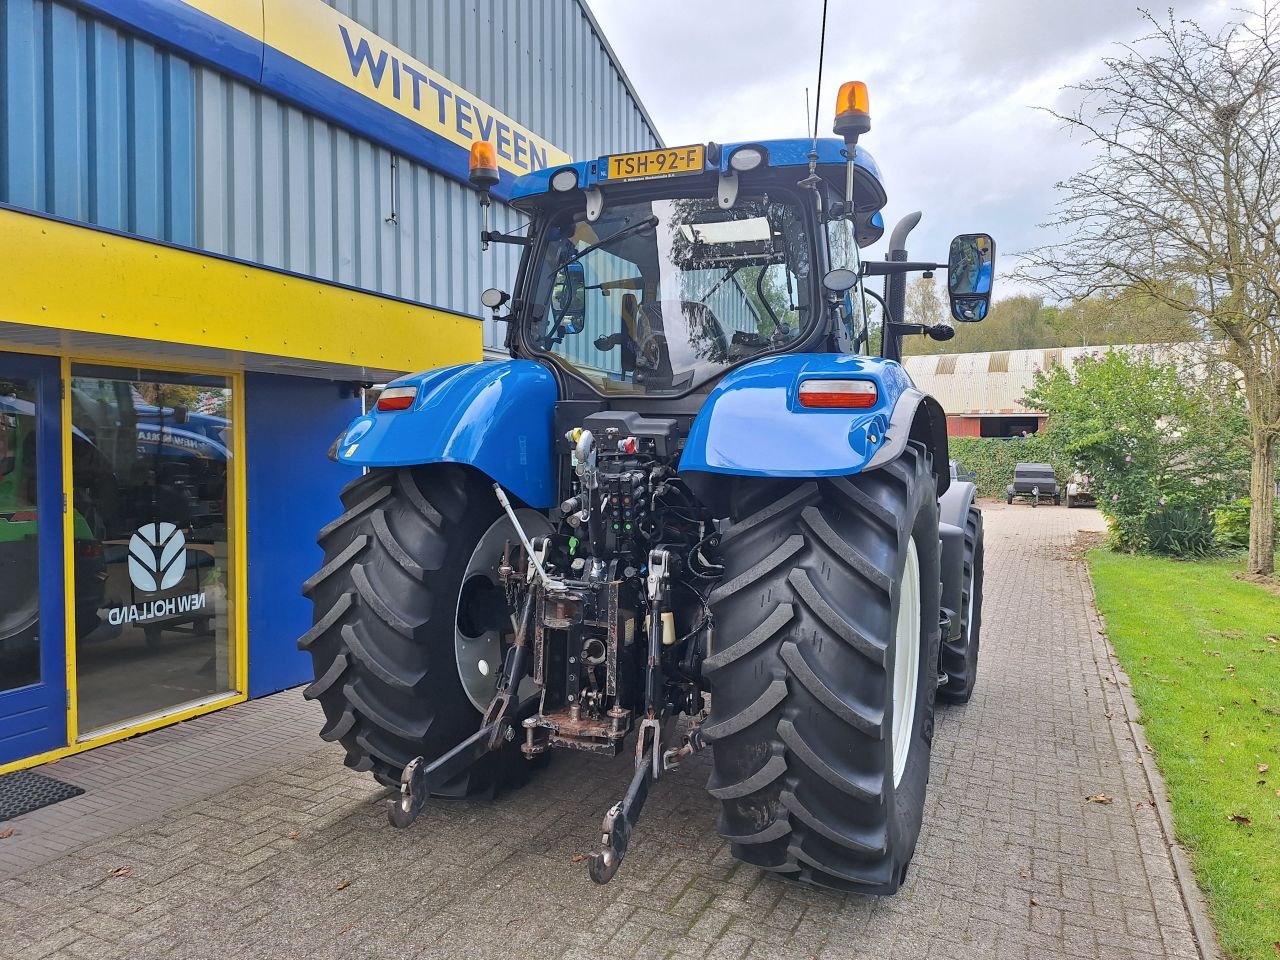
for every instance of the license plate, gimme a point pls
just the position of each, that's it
(668, 162)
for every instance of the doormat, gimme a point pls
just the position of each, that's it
(25, 791)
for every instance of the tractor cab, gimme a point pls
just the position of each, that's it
(653, 273)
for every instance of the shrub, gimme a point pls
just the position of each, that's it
(1180, 530)
(1161, 442)
(1231, 524)
(993, 459)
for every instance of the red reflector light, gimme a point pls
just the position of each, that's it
(397, 398)
(23, 516)
(838, 394)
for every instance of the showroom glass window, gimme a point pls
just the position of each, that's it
(151, 478)
(19, 544)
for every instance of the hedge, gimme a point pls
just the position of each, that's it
(993, 459)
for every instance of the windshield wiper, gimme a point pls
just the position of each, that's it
(651, 221)
(722, 281)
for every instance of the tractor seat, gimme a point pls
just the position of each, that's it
(702, 339)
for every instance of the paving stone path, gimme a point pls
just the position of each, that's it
(170, 857)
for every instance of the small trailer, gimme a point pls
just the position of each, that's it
(1034, 482)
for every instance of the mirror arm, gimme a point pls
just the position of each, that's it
(886, 268)
(495, 236)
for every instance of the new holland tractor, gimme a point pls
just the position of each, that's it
(691, 512)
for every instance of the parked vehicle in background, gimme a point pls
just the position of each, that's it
(1078, 492)
(1034, 482)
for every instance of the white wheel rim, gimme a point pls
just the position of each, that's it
(906, 662)
(479, 654)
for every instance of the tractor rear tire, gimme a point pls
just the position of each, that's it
(803, 689)
(386, 602)
(960, 657)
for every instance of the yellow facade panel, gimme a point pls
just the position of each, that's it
(59, 276)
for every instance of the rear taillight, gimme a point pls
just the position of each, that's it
(397, 398)
(838, 394)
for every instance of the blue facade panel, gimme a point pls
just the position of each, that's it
(292, 492)
(96, 125)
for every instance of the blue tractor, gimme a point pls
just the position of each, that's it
(690, 493)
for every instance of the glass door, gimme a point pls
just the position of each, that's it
(151, 484)
(32, 637)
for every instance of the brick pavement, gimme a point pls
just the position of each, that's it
(297, 860)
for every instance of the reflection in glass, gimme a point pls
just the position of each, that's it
(658, 297)
(969, 265)
(19, 553)
(151, 456)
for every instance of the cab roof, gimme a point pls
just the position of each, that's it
(792, 153)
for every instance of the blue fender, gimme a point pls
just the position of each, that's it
(752, 423)
(497, 417)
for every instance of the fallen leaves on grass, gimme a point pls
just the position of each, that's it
(1099, 798)
(120, 872)
(343, 885)
(1264, 767)
(1240, 818)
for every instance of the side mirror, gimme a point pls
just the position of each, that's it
(970, 270)
(839, 280)
(569, 298)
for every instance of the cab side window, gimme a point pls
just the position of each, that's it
(843, 252)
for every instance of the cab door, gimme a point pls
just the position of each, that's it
(33, 693)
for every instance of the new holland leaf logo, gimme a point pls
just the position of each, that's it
(157, 557)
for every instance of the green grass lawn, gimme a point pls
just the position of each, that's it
(1202, 649)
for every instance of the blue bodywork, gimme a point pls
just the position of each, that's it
(780, 153)
(753, 425)
(791, 153)
(499, 417)
(496, 417)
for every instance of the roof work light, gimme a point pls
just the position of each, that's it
(484, 165)
(484, 177)
(853, 111)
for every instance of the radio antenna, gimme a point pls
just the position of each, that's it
(812, 180)
(808, 127)
(817, 103)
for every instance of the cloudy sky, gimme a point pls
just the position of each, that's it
(953, 86)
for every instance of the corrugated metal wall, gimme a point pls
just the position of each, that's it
(95, 125)
(283, 188)
(123, 135)
(538, 61)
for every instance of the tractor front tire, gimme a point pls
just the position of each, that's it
(386, 607)
(960, 657)
(828, 615)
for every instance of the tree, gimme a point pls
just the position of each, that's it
(923, 305)
(1148, 434)
(1014, 323)
(1182, 204)
(1130, 316)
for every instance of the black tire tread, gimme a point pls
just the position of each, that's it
(380, 600)
(807, 586)
(960, 653)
